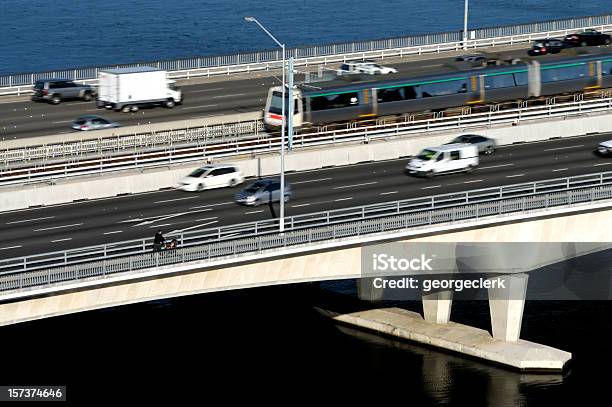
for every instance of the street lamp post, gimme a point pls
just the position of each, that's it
(465, 20)
(282, 171)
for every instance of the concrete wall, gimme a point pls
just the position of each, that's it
(328, 265)
(151, 180)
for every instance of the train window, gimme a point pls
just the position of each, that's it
(390, 95)
(499, 81)
(563, 74)
(442, 88)
(520, 78)
(334, 101)
(606, 68)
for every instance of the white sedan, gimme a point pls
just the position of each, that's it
(366, 67)
(211, 176)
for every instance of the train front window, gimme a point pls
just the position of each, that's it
(276, 105)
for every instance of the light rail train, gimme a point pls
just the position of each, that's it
(337, 102)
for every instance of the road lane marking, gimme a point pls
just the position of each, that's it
(389, 193)
(61, 240)
(176, 199)
(560, 169)
(494, 166)
(248, 213)
(207, 206)
(192, 227)
(564, 148)
(29, 220)
(433, 186)
(63, 121)
(356, 185)
(297, 206)
(205, 90)
(58, 227)
(113, 232)
(470, 182)
(162, 225)
(513, 176)
(342, 199)
(198, 107)
(597, 165)
(311, 180)
(430, 66)
(228, 96)
(10, 247)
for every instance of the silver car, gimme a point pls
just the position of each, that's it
(485, 145)
(263, 191)
(86, 123)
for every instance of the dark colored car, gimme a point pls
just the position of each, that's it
(55, 91)
(485, 145)
(90, 122)
(588, 37)
(547, 46)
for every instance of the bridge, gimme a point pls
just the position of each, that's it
(342, 211)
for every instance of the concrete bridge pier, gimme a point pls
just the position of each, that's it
(506, 306)
(437, 306)
(366, 290)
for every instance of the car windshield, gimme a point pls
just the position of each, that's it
(460, 139)
(198, 173)
(39, 85)
(254, 187)
(426, 155)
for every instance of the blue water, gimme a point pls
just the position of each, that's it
(39, 35)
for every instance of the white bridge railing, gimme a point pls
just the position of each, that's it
(315, 55)
(265, 143)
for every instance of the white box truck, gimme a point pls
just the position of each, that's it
(128, 89)
(448, 158)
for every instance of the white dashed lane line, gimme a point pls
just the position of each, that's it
(61, 240)
(198, 107)
(113, 232)
(560, 169)
(311, 180)
(297, 206)
(495, 166)
(29, 220)
(433, 186)
(471, 182)
(228, 96)
(58, 227)
(389, 193)
(357, 185)
(514, 176)
(10, 247)
(600, 164)
(564, 148)
(208, 206)
(176, 199)
(205, 90)
(342, 199)
(249, 213)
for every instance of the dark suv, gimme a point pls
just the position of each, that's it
(588, 37)
(57, 90)
(547, 46)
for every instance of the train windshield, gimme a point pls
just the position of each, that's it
(276, 104)
(426, 155)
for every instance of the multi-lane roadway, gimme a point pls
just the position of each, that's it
(74, 225)
(24, 118)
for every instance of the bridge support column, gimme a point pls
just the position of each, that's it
(367, 291)
(506, 306)
(437, 306)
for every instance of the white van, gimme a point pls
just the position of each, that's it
(444, 159)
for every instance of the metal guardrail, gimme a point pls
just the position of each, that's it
(254, 237)
(199, 135)
(270, 143)
(322, 54)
